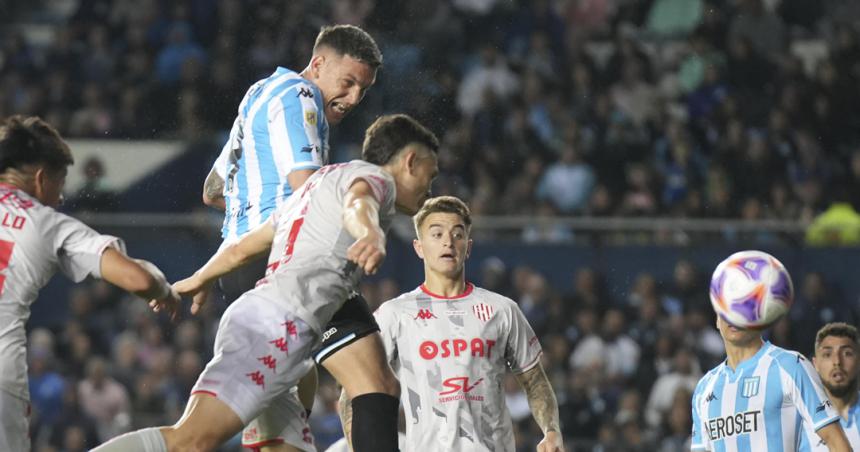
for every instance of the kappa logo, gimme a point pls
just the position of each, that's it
(824, 405)
(269, 361)
(258, 378)
(281, 344)
(310, 149)
(305, 92)
(425, 314)
(711, 397)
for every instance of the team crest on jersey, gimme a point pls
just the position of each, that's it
(483, 312)
(749, 387)
(311, 118)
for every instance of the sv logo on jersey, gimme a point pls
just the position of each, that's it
(460, 387)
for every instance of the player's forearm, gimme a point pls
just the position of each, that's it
(213, 191)
(541, 397)
(344, 405)
(361, 216)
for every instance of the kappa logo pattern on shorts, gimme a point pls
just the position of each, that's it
(280, 344)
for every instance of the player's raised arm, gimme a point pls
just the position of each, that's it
(361, 220)
(250, 246)
(544, 407)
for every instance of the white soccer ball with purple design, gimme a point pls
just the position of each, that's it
(751, 289)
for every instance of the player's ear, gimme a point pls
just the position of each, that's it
(410, 159)
(419, 250)
(317, 62)
(469, 248)
(40, 179)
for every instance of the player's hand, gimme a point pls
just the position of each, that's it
(170, 304)
(368, 252)
(551, 442)
(195, 288)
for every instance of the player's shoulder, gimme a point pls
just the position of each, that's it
(296, 91)
(488, 296)
(399, 303)
(787, 359)
(708, 378)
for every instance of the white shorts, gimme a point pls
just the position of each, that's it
(283, 421)
(261, 351)
(15, 421)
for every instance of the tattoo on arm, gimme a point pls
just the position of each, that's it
(344, 405)
(214, 186)
(541, 398)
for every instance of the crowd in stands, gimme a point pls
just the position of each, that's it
(623, 367)
(680, 108)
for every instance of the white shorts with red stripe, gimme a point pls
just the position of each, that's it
(283, 422)
(261, 351)
(15, 421)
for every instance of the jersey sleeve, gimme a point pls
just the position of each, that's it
(387, 330)
(79, 248)
(227, 155)
(522, 350)
(807, 393)
(382, 187)
(295, 132)
(699, 439)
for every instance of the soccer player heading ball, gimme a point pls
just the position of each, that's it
(762, 397)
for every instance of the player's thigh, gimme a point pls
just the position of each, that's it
(361, 368)
(261, 351)
(282, 426)
(14, 422)
(206, 424)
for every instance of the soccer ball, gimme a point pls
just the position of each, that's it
(751, 289)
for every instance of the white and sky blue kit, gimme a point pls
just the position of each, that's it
(765, 404)
(812, 442)
(283, 112)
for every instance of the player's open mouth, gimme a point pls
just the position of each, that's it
(838, 377)
(447, 256)
(339, 108)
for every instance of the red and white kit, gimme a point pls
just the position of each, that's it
(35, 242)
(451, 355)
(265, 338)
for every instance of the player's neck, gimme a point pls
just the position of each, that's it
(738, 353)
(443, 285)
(843, 404)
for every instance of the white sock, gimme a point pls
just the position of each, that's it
(146, 440)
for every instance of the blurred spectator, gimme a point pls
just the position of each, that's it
(684, 376)
(492, 75)
(568, 182)
(105, 400)
(94, 195)
(673, 18)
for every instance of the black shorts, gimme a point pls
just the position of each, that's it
(352, 322)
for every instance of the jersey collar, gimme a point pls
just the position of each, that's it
(469, 288)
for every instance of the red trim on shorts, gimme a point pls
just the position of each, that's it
(203, 391)
(469, 288)
(269, 442)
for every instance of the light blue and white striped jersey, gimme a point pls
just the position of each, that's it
(760, 405)
(280, 127)
(812, 442)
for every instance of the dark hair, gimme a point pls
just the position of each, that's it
(444, 204)
(350, 40)
(30, 140)
(390, 133)
(836, 329)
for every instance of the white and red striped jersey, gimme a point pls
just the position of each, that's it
(35, 242)
(451, 355)
(308, 268)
